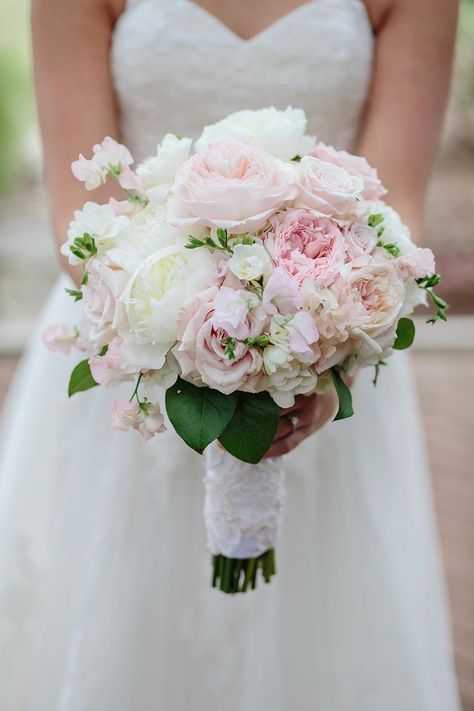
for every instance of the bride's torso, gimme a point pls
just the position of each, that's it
(178, 68)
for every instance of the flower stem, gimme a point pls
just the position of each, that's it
(235, 575)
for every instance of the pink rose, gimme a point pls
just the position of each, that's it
(208, 354)
(106, 281)
(360, 240)
(107, 370)
(60, 338)
(306, 245)
(328, 188)
(355, 165)
(417, 264)
(232, 185)
(145, 417)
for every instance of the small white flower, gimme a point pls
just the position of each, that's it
(99, 221)
(110, 154)
(250, 261)
(88, 172)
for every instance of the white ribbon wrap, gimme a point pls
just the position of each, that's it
(243, 505)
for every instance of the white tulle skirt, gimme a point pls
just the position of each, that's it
(105, 598)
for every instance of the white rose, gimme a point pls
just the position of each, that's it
(153, 297)
(250, 261)
(99, 221)
(281, 133)
(157, 173)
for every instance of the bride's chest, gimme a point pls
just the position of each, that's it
(173, 59)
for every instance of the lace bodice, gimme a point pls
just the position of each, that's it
(177, 68)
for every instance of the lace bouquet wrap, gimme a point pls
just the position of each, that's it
(251, 267)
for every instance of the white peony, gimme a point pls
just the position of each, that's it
(281, 133)
(99, 221)
(157, 173)
(153, 297)
(149, 231)
(250, 261)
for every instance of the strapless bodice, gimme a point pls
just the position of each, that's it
(177, 68)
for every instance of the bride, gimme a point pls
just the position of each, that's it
(105, 602)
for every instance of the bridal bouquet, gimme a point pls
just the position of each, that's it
(240, 271)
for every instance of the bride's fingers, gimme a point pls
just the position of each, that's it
(290, 422)
(286, 444)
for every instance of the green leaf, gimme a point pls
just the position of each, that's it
(85, 278)
(296, 159)
(77, 295)
(344, 394)
(375, 219)
(250, 433)
(405, 334)
(81, 378)
(199, 415)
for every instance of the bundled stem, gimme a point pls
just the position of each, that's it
(236, 575)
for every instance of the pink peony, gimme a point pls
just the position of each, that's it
(306, 245)
(232, 185)
(205, 352)
(107, 370)
(355, 165)
(328, 188)
(417, 264)
(60, 338)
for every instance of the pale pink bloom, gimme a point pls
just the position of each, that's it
(303, 334)
(355, 165)
(232, 185)
(129, 180)
(122, 207)
(306, 245)
(100, 304)
(88, 172)
(153, 421)
(328, 188)
(60, 338)
(417, 264)
(360, 240)
(111, 154)
(108, 370)
(146, 419)
(231, 311)
(126, 415)
(281, 293)
(202, 354)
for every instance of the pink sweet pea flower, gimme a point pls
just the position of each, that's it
(107, 370)
(146, 418)
(60, 338)
(417, 264)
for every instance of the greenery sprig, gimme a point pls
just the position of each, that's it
(427, 283)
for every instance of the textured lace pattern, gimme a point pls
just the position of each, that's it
(177, 68)
(243, 505)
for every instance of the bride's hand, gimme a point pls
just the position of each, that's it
(308, 414)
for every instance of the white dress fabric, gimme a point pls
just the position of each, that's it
(105, 598)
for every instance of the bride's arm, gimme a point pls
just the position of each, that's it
(76, 106)
(414, 48)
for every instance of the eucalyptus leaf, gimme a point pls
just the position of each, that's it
(199, 415)
(344, 394)
(81, 378)
(405, 334)
(250, 432)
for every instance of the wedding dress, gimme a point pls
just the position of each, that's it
(105, 598)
